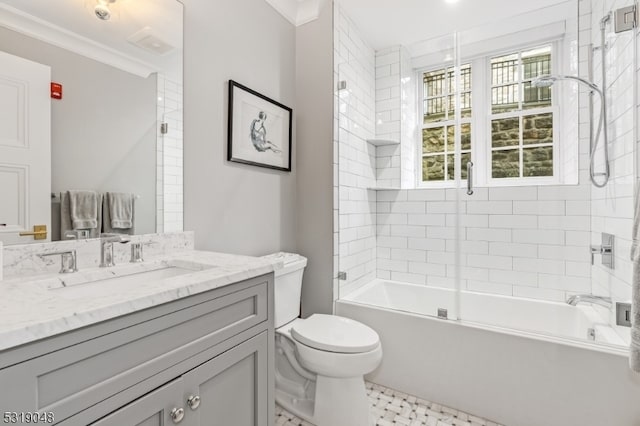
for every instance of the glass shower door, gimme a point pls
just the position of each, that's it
(395, 241)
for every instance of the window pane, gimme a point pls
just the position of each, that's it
(536, 97)
(465, 105)
(536, 62)
(504, 69)
(505, 164)
(505, 132)
(465, 139)
(433, 140)
(504, 83)
(538, 161)
(465, 78)
(434, 83)
(433, 168)
(465, 157)
(434, 110)
(505, 98)
(537, 129)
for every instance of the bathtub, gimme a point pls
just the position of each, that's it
(515, 361)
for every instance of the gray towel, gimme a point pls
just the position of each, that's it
(66, 223)
(84, 209)
(634, 350)
(120, 210)
(107, 220)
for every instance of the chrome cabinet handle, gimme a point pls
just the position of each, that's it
(177, 414)
(469, 178)
(194, 402)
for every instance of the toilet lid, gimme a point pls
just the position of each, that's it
(335, 334)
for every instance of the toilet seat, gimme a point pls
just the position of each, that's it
(335, 334)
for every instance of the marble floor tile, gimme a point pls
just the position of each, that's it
(393, 408)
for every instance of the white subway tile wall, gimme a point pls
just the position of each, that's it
(612, 206)
(513, 241)
(169, 184)
(388, 117)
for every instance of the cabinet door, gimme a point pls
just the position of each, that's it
(232, 388)
(153, 409)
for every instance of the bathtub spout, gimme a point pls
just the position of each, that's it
(590, 298)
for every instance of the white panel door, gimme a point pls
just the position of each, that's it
(25, 148)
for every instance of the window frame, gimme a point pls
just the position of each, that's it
(481, 117)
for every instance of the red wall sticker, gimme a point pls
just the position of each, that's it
(56, 90)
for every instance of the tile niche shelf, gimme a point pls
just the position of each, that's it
(383, 142)
(384, 188)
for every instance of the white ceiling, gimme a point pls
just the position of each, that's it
(76, 19)
(385, 23)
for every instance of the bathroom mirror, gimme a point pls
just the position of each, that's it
(117, 125)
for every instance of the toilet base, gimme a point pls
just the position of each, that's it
(338, 402)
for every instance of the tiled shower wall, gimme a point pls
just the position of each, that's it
(521, 241)
(388, 114)
(169, 185)
(612, 206)
(355, 64)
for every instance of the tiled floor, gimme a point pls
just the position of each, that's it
(391, 408)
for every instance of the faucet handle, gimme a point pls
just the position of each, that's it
(68, 260)
(136, 253)
(595, 250)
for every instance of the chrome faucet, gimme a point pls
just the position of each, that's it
(106, 247)
(68, 260)
(590, 298)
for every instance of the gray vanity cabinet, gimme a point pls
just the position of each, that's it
(146, 368)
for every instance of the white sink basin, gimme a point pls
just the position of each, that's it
(119, 277)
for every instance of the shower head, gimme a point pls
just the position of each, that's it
(548, 81)
(544, 81)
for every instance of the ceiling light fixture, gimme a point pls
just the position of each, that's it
(102, 9)
(452, 1)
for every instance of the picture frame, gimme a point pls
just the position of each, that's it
(259, 129)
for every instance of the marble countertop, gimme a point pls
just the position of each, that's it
(37, 307)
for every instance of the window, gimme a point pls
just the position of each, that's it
(438, 130)
(511, 122)
(521, 116)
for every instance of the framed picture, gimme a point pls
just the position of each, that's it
(259, 129)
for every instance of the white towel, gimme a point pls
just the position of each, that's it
(121, 210)
(83, 206)
(65, 217)
(634, 350)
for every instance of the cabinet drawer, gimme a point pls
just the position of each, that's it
(69, 380)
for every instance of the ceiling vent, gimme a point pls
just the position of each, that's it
(148, 40)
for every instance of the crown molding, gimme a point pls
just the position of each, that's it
(298, 12)
(47, 32)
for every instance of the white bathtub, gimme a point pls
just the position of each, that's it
(513, 360)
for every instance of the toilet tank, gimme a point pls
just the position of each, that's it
(288, 286)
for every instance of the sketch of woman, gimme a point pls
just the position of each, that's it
(259, 135)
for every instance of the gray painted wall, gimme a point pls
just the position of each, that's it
(103, 131)
(234, 207)
(314, 100)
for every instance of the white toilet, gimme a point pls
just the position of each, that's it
(321, 360)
